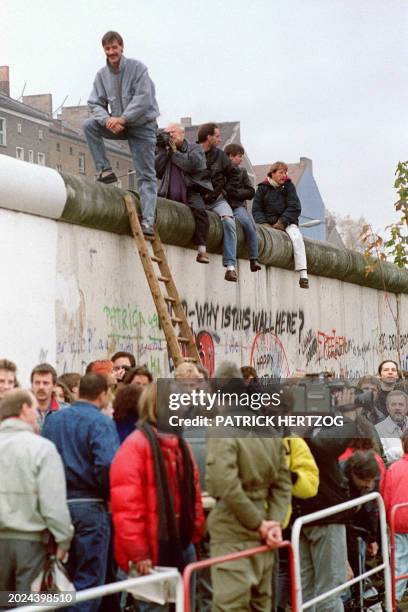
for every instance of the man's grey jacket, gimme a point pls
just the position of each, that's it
(32, 486)
(128, 93)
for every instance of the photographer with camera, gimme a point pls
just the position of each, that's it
(182, 168)
(322, 570)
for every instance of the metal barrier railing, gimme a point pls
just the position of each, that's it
(385, 566)
(198, 565)
(394, 577)
(115, 587)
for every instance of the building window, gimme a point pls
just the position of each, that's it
(81, 163)
(131, 178)
(41, 159)
(40, 135)
(3, 140)
(20, 153)
(31, 156)
(58, 146)
(19, 128)
(71, 152)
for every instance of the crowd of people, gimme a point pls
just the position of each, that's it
(83, 465)
(201, 175)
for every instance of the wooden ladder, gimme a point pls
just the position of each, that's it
(181, 345)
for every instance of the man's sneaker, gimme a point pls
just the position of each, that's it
(148, 230)
(107, 178)
(231, 275)
(202, 258)
(255, 265)
(304, 283)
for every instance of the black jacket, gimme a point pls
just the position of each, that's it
(223, 173)
(273, 203)
(191, 160)
(238, 196)
(333, 484)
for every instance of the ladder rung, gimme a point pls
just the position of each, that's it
(190, 359)
(163, 279)
(156, 259)
(176, 320)
(170, 299)
(182, 339)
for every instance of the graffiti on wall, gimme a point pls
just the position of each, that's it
(276, 342)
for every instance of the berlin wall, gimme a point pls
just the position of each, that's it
(74, 290)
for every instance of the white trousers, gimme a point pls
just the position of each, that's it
(299, 252)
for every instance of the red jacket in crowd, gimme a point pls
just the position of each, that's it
(134, 499)
(395, 491)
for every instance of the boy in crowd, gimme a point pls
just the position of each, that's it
(237, 200)
(276, 203)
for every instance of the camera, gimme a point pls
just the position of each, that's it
(163, 139)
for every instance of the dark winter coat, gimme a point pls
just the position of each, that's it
(237, 196)
(273, 203)
(224, 174)
(333, 485)
(190, 159)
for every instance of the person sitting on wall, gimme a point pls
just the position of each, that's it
(182, 168)
(237, 200)
(223, 175)
(277, 204)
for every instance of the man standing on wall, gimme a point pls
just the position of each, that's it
(124, 107)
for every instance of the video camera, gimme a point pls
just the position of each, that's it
(317, 394)
(163, 139)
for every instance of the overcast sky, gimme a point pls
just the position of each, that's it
(325, 79)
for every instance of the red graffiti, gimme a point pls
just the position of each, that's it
(205, 346)
(331, 346)
(268, 356)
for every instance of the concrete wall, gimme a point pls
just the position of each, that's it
(72, 294)
(76, 294)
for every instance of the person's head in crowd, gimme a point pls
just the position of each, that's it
(139, 375)
(126, 402)
(209, 136)
(249, 374)
(397, 406)
(404, 442)
(43, 380)
(362, 471)
(8, 376)
(235, 152)
(148, 405)
(122, 362)
(177, 133)
(388, 373)
(278, 173)
(62, 394)
(19, 404)
(104, 367)
(186, 371)
(203, 371)
(365, 444)
(71, 380)
(93, 388)
(369, 383)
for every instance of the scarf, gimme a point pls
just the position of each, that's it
(273, 183)
(173, 538)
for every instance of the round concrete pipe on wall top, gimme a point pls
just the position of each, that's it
(31, 188)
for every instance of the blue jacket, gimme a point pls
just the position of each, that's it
(87, 441)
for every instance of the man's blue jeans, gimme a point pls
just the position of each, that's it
(88, 554)
(401, 562)
(142, 144)
(249, 227)
(224, 210)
